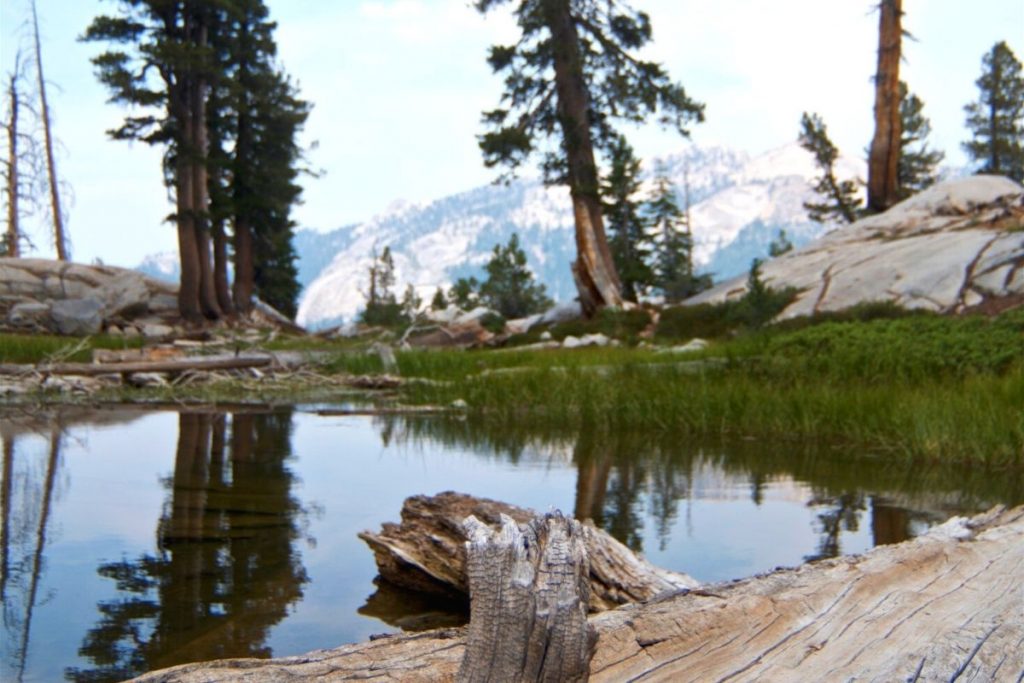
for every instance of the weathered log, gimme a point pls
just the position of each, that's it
(529, 594)
(171, 365)
(944, 606)
(426, 552)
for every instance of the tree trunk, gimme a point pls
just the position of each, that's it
(426, 552)
(188, 248)
(529, 590)
(13, 235)
(945, 606)
(200, 185)
(883, 161)
(244, 285)
(220, 268)
(59, 237)
(594, 270)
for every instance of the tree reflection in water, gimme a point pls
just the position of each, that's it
(623, 477)
(26, 501)
(225, 570)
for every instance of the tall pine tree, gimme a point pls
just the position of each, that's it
(917, 164)
(572, 72)
(627, 231)
(996, 120)
(161, 68)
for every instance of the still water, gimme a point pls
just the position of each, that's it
(135, 540)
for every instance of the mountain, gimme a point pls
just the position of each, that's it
(738, 204)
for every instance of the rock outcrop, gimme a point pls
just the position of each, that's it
(953, 247)
(40, 295)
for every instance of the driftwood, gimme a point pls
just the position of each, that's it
(528, 614)
(426, 552)
(170, 365)
(945, 606)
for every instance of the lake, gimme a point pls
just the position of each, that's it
(137, 539)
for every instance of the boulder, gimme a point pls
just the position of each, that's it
(27, 285)
(954, 246)
(571, 342)
(29, 315)
(77, 317)
(125, 295)
(461, 335)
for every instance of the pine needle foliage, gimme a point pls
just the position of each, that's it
(839, 197)
(996, 120)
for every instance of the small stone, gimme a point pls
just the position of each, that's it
(459, 404)
(545, 336)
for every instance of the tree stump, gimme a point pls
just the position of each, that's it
(529, 592)
(426, 552)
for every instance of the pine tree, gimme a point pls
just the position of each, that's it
(440, 301)
(627, 231)
(840, 196)
(674, 271)
(261, 116)
(465, 293)
(382, 308)
(780, 245)
(162, 68)
(918, 165)
(571, 73)
(510, 288)
(996, 120)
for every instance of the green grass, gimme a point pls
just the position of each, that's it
(21, 348)
(918, 387)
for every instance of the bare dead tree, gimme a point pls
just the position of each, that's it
(19, 167)
(59, 235)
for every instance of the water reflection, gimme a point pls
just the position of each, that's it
(212, 563)
(26, 500)
(225, 569)
(623, 476)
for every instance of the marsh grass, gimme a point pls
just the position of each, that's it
(22, 348)
(918, 387)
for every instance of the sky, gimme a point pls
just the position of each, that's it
(398, 86)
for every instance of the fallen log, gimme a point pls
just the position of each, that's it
(944, 606)
(170, 365)
(426, 552)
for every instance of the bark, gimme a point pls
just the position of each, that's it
(200, 186)
(244, 285)
(945, 606)
(529, 588)
(426, 552)
(594, 270)
(59, 237)
(13, 236)
(220, 269)
(883, 161)
(188, 248)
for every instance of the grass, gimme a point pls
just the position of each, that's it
(919, 387)
(21, 348)
(907, 387)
